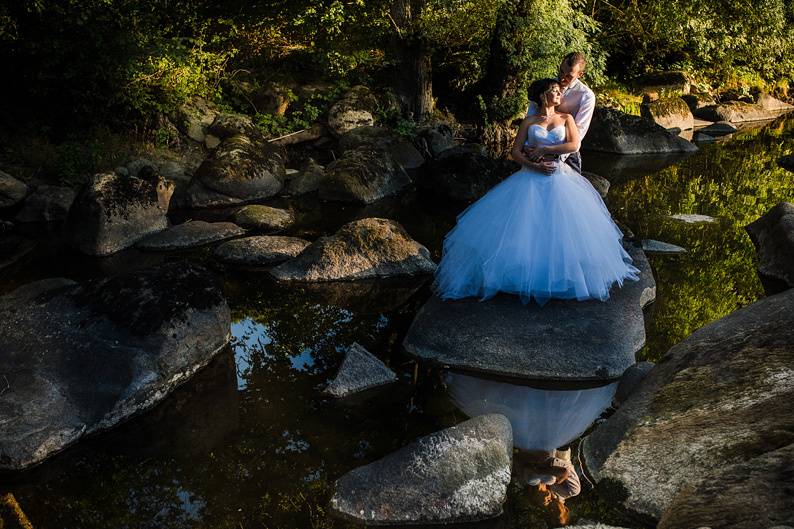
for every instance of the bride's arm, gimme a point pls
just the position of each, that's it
(571, 144)
(518, 153)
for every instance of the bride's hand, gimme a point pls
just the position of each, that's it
(546, 167)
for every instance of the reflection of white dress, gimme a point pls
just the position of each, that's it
(535, 235)
(542, 419)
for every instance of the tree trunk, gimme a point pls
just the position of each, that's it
(414, 80)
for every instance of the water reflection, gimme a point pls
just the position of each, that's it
(542, 419)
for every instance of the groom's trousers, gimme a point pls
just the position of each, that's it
(575, 161)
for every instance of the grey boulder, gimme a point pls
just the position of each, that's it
(47, 204)
(401, 149)
(630, 381)
(360, 370)
(613, 131)
(739, 111)
(363, 249)
(12, 191)
(307, 179)
(653, 246)
(600, 183)
(363, 175)
(720, 398)
(194, 117)
(263, 218)
(355, 109)
(669, 112)
(190, 234)
(773, 237)
(262, 250)
(563, 340)
(693, 218)
(719, 128)
(80, 359)
(457, 475)
(112, 212)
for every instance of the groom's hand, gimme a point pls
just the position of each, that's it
(546, 167)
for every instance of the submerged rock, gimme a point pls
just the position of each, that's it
(190, 235)
(360, 370)
(112, 212)
(718, 399)
(614, 131)
(263, 250)
(652, 246)
(355, 109)
(457, 475)
(362, 249)
(80, 359)
(47, 204)
(12, 191)
(692, 218)
(669, 112)
(264, 218)
(563, 340)
(363, 175)
(773, 237)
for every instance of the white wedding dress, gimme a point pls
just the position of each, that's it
(535, 235)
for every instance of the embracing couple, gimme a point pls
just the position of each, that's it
(543, 233)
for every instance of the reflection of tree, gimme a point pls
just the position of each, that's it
(735, 182)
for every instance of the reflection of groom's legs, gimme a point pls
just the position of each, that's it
(575, 161)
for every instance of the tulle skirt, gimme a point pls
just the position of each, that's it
(538, 236)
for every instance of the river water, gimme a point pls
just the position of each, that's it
(251, 442)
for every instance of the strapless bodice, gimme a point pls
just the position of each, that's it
(538, 135)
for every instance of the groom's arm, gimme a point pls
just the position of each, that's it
(584, 115)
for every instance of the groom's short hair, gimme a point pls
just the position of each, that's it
(574, 58)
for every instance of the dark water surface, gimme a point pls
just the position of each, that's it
(250, 442)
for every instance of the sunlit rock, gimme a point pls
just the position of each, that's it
(263, 250)
(47, 204)
(82, 358)
(669, 112)
(112, 212)
(362, 249)
(12, 191)
(363, 175)
(773, 237)
(693, 218)
(719, 399)
(653, 246)
(739, 111)
(613, 131)
(456, 475)
(263, 218)
(190, 234)
(193, 117)
(563, 340)
(360, 370)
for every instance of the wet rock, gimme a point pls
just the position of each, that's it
(652, 246)
(630, 381)
(400, 149)
(436, 139)
(194, 117)
(242, 169)
(718, 399)
(191, 234)
(614, 131)
(363, 175)
(80, 359)
(13, 248)
(112, 213)
(307, 179)
(669, 112)
(563, 340)
(465, 173)
(362, 249)
(692, 218)
(355, 109)
(457, 475)
(787, 162)
(600, 183)
(264, 218)
(736, 112)
(720, 128)
(47, 204)
(263, 250)
(773, 237)
(360, 370)
(750, 495)
(12, 191)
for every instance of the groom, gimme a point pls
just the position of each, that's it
(577, 100)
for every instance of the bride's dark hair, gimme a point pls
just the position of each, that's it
(540, 87)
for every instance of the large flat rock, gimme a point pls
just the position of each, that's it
(616, 132)
(78, 359)
(709, 421)
(459, 474)
(191, 235)
(563, 340)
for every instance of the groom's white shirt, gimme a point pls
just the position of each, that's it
(577, 100)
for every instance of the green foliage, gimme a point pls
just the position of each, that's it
(302, 113)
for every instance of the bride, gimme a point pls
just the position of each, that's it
(543, 232)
